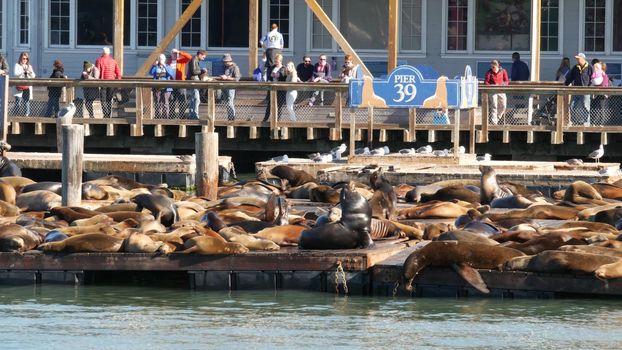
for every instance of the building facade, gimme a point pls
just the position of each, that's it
(444, 34)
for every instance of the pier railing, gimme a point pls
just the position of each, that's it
(140, 103)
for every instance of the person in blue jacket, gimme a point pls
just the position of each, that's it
(520, 70)
(162, 71)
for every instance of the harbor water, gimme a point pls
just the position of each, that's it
(130, 317)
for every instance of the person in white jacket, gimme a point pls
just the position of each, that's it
(23, 94)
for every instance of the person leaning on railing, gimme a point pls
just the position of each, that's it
(496, 75)
(161, 71)
(276, 73)
(599, 102)
(23, 94)
(232, 73)
(580, 75)
(90, 72)
(321, 74)
(194, 72)
(54, 92)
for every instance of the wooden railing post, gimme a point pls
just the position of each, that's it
(137, 129)
(4, 106)
(352, 131)
(73, 151)
(412, 125)
(484, 136)
(211, 109)
(370, 130)
(336, 134)
(274, 110)
(472, 131)
(66, 120)
(456, 132)
(206, 153)
(560, 118)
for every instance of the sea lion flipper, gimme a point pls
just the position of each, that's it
(472, 276)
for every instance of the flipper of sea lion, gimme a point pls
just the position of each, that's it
(472, 276)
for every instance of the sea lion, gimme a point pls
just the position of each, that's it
(119, 216)
(402, 189)
(610, 216)
(141, 243)
(252, 226)
(545, 242)
(608, 271)
(463, 257)
(15, 238)
(539, 211)
(93, 191)
(282, 235)
(213, 221)
(466, 236)
(450, 193)
(7, 193)
(489, 187)
(352, 231)
(514, 201)
(437, 210)
(556, 261)
(38, 201)
(117, 207)
(51, 186)
(294, 177)
(70, 215)
(18, 182)
(515, 236)
(277, 210)
(302, 191)
(8, 209)
(432, 231)
(235, 234)
(324, 194)
(462, 220)
(592, 250)
(580, 192)
(54, 236)
(486, 227)
(209, 245)
(414, 195)
(333, 215)
(383, 228)
(94, 220)
(86, 243)
(388, 200)
(119, 182)
(8, 167)
(80, 230)
(162, 207)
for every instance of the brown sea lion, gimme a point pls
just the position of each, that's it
(277, 210)
(610, 216)
(451, 193)
(86, 243)
(93, 191)
(213, 221)
(463, 257)
(383, 228)
(141, 243)
(294, 177)
(609, 271)
(466, 236)
(512, 202)
(609, 191)
(592, 250)
(333, 215)
(94, 220)
(489, 187)
(432, 231)
(324, 194)
(119, 182)
(592, 226)
(162, 207)
(302, 191)
(38, 201)
(119, 216)
(282, 235)
(438, 210)
(402, 189)
(539, 211)
(556, 261)
(545, 242)
(18, 182)
(388, 201)
(8, 209)
(51, 186)
(117, 207)
(7, 193)
(209, 245)
(235, 234)
(15, 238)
(80, 230)
(580, 192)
(69, 214)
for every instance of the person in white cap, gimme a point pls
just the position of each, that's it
(232, 73)
(108, 70)
(273, 43)
(580, 75)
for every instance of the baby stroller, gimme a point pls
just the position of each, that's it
(545, 113)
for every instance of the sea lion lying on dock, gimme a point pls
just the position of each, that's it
(212, 246)
(15, 238)
(294, 177)
(86, 243)
(556, 261)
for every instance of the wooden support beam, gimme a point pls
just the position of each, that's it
(284, 133)
(253, 133)
(137, 128)
(580, 139)
(4, 107)
(230, 131)
(536, 20)
(310, 133)
(456, 132)
(382, 137)
(118, 33)
(370, 128)
(39, 129)
(206, 150)
(431, 136)
(472, 131)
(484, 135)
(412, 124)
(274, 111)
(506, 136)
(211, 110)
(111, 129)
(604, 140)
(393, 32)
(336, 34)
(560, 118)
(336, 134)
(253, 35)
(16, 129)
(352, 131)
(73, 151)
(530, 136)
(181, 22)
(158, 130)
(183, 131)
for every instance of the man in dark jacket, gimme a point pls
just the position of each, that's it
(520, 71)
(580, 75)
(193, 73)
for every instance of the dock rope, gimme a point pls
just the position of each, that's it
(395, 288)
(340, 278)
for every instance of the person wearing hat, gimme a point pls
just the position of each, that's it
(90, 72)
(161, 71)
(580, 75)
(232, 73)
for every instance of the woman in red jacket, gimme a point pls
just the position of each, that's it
(496, 76)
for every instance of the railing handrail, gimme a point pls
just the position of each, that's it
(553, 90)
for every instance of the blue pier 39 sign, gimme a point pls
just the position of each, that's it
(405, 87)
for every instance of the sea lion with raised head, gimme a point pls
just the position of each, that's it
(489, 187)
(580, 192)
(387, 200)
(352, 231)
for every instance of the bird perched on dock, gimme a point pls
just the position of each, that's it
(440, 153)
(281, 159)
(485, 158)
(312, 156)
(67, 111)
(410, 151)
(324, 158)
(597, 154)
(362, 151)
(609, 171)
(337, 151)
(574, 161)
(427, 149)
(461, 150)
(380, 151)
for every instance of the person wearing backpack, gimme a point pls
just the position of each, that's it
(496, 75)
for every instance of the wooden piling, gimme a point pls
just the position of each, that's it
(73, 151)
(206, 179)
(352, 131)
(60, 121)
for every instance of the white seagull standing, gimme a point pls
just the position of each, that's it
(337, 151)
(597, 154)
(67, 111)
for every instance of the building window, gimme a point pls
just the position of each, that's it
(549, 36)
(457, 24)
(502, 25)
(24, 21)
(147, 26)
(320, 37)
(59, 22)
(279, 13)
(191, 32)
(617, 25)
(228, 23)
(411, 17)
(595, 25)
(362, 30)
(94, 28)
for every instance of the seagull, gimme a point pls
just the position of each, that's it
(380, 151)
(67, 111)
(424, 150)
(281, 159)
(440, 153)
(337, 151)
(313, 155)
(324, 158)
(407, 151)
(461, 150)
(485, 158)
(574, 161)
(362, 151)
(597, 154)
